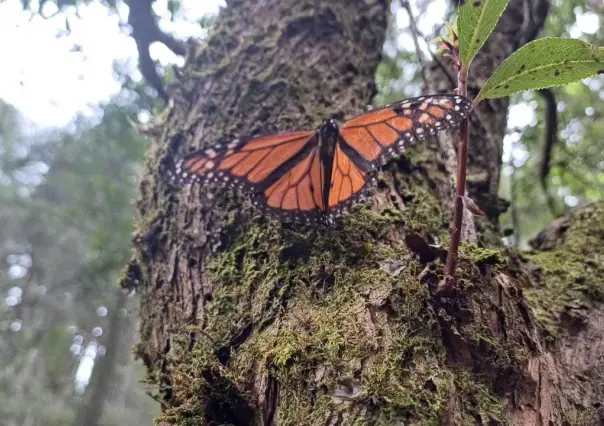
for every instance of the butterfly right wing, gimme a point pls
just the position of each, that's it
(349, 182)
(383, 133)
(374, 138)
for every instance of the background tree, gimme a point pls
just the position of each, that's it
(65, 232)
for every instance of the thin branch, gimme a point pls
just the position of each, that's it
(145, 31)
(448, 282)
(416, 36)
(550, 141)
(531, 25)
(514, 206)
(445, 70)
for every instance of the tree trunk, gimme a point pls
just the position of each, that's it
(104, 375)
(248, 322)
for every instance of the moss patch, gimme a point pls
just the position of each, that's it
(482, 256)
(571, 271)
(340, 320)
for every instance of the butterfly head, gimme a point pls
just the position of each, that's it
(328, 136)
(329, 129)
(331, 124)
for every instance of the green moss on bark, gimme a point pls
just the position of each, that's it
(570, 271)
(341, 321)
(481, 255)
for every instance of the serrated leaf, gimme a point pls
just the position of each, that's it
(475, 21)
(546, 62)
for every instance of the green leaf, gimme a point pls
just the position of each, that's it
(546, 62)
(173, 8)
(476, 20)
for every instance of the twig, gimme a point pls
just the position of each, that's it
(514, 206)
(145, 31)
(462, 163)
(444, 69)
(416, 36)
(550, 141)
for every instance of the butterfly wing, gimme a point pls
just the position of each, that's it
(376, 137)
(297, 194)
(349, 179)
(282, 173)
(385, 132)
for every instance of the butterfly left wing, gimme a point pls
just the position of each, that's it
(247, 162)
(283, 173)
(296, 195)
(384, 133)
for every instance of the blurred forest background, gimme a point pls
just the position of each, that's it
(70, 160)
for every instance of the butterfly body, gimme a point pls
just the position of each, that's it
(308, 176)
(327, 135)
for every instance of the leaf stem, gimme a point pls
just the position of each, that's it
(462, 163)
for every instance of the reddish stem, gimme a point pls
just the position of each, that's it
(462, 163)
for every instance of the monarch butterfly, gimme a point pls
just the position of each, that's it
(308, 176)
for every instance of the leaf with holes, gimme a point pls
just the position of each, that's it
(476, 20)
(546, 62)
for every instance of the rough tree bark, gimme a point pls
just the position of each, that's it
(248, 322)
